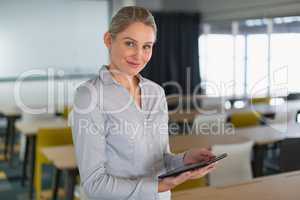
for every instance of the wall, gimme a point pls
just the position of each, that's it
(154, 5)
(117, 4)
(218, 10)
(65, 35)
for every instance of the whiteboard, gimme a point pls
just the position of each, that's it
(64, 35)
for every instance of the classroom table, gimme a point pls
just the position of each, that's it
(63, 159)
(267, 110)
(265, 135)
(261, 135)
(29, 129)
(183, 116)
(188, 117)
(11, 113)
(275, 187)
(181, 143)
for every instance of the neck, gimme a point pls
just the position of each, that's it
(122, 78)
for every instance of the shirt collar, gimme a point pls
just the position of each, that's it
(107, 78)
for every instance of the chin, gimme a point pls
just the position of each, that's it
(133, 71)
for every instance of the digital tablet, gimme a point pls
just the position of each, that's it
(190, 167)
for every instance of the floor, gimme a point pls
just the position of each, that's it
(10, 184)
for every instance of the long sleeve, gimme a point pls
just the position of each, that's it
(89, 136)
(171, 160)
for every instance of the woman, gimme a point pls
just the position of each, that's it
(120, 120)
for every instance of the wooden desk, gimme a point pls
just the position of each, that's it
(260, 108)
(11, 113)
(63, 158)
(9, 110)
(278, 187)
(261, 135)
(183, 116)
(182, 143)
(30, 129)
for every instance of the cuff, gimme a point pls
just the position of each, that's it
(174, 160)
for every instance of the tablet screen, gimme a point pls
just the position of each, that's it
(197, 165)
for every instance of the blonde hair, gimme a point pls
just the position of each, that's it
(129, 15)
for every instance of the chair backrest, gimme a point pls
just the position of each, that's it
(242, 119)
(201, 182)
(27, 117)
(289, 159)
(47, 137)
(258, 100)
(293, 96)
(53, 137)
(66, 111)
(234, 169)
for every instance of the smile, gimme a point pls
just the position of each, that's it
(133, 64)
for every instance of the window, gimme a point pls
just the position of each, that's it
(250, 58)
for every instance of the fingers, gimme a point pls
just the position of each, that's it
(172, 182)
(184, 176)
(181, 178)
(204, 154)
(198, 173)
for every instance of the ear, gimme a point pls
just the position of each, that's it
(107, 40)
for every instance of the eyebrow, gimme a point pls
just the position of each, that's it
(136, 40)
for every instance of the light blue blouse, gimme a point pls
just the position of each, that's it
(120, 148)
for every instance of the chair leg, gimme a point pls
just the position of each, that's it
(32, 166)
(259, 154)
(25, 162)
(6, 142)
(56, 183)
(12, 140)
(70, 183)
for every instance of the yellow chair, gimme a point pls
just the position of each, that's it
(47, 137)
(258, 100)
(242, 119)
(66, 112)
(201, 182)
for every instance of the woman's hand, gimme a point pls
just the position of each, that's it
(171, 182)
(196, 155)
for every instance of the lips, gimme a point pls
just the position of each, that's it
(133, 64)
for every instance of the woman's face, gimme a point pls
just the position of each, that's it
(131, 49)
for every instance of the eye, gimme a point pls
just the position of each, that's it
(129, 43)
(147, 47)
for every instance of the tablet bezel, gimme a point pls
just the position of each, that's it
(190, 167)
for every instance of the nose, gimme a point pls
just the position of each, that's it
(139, 52)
